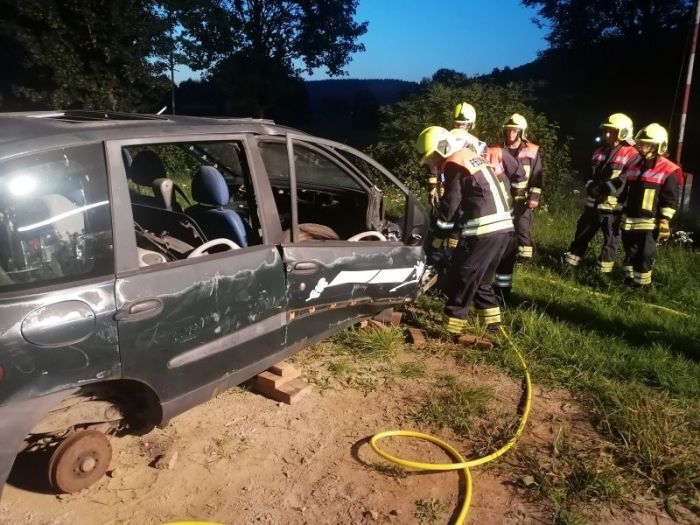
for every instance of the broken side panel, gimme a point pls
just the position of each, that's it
(336, 283)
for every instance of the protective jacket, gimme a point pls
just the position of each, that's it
(651, 194)
(610, 168)
(482, 196)
(524, 169)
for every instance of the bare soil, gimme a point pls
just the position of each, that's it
(243, 458)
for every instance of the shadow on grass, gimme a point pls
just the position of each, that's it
(639, 334)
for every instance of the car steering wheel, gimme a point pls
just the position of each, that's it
(368, 234)
(202, 249)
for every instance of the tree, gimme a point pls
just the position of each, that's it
(79, 53)
(401, 123)
(581, 23)
(255, 43)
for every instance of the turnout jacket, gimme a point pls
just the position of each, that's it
(524, 169)
(482, 196)
(610, 168)
(651, 194)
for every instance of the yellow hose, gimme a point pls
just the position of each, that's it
(460, 463)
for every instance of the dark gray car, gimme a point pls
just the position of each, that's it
(148, 263)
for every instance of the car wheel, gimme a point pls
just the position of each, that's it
(80, 460)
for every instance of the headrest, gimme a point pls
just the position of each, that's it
(209, 187)
(146, 167)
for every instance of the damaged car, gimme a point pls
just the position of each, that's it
(148, 263)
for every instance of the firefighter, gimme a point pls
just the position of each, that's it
(650, 203)
(519, 160)
(465, 116)
(612, 163)
(472, 187)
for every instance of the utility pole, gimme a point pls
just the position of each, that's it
(688, 81)
(172, 66)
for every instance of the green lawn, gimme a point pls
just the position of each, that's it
(630, 357)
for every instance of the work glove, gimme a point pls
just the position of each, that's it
(664, 230)
(434, 197)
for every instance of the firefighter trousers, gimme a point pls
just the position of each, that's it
(471, 278)
(640, 247)
(522, 221)
(588, 224)
(504, 271)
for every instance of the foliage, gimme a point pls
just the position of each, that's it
(259, 45)
(580, 23)
(90, 54)
(433, 105)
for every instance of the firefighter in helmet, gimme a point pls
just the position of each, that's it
(612, 164)
(472, 187)
(650, 204)
(465, 116)
(519, 159)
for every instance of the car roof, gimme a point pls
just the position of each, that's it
(41, 130)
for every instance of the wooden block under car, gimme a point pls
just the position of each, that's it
(395, 318)
(384, 316)
(416, 336)
(270, 380)
(289, 392)
(284, 369)
(474, 340)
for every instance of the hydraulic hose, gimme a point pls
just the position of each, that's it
(460, 462)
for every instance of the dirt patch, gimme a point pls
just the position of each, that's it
(246, 459)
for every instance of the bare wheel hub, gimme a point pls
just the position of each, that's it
(79, 461)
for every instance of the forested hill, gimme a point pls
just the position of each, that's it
(347, 109)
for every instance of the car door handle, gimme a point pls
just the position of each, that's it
(305, 268)
(138, 310)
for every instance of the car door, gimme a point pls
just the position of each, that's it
(333, 283)
(191, 326)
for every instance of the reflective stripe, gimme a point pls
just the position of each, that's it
(615, 174)
(668, 212)
(452, 242)
(610, 186)
(588, 183)
(535, 190)
(590, 202)
(489, 228)
(432, 180)
(444, 225)
(642, 278)
(454, 324)
(637, 224)
(519, 185)
(489, 219)
(648, 200)
(572, 259)
(489, 315)
(527, 169)
(629, 271)
(605, 266)
(504, 280)
(525, 251)
(495, 190)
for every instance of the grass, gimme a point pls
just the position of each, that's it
(631, 358)
(429, 512)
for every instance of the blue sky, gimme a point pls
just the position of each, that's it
(411, 39)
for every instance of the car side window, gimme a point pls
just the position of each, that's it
(188, 194)
(55, 223)
(331, 204)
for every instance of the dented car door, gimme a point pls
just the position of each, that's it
(333, 283)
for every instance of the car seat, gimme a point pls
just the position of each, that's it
(211, 192)
(146, 168)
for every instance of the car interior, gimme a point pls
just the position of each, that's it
(189, 199)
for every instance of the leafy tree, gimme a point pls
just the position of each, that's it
(256, 43)
(402, 123)
(581, 23)
(79, 53)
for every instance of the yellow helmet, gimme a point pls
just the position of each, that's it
(517, 121)
(622, 123)
(654, 134)
(465, 139)
(435, 139)
(465, 114)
